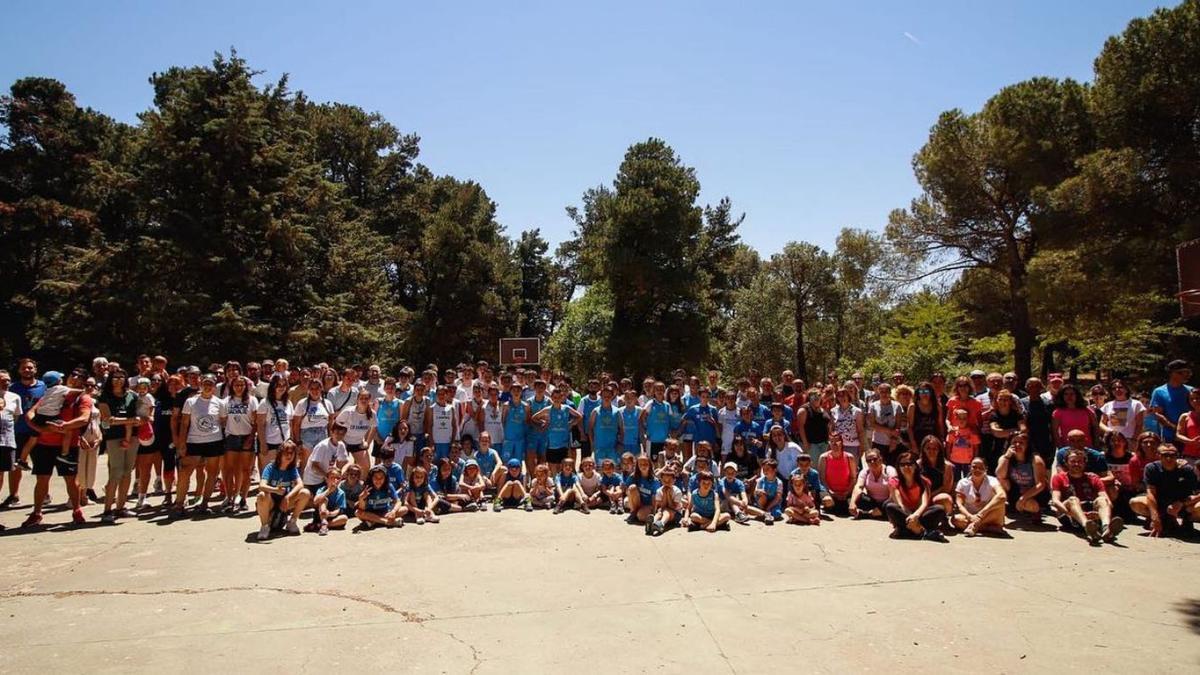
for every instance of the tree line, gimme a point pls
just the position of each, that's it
(243, 219)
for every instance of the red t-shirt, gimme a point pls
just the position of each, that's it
(72, 409)
(911, 495)
(1086, 487)
(974, 412)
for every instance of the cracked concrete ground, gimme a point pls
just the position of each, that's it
(507, 592)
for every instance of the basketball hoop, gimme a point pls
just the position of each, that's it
(1189, 302)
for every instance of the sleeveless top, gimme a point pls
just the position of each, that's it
(416, 416)
(837, 473)
(1021, 473)
(925, 424)
(934, 475)
(816, 425)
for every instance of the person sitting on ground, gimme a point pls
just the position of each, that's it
(909, 507)
(587, 484)
(768, 494)
(980, 502)
(1024, 477)
(379, 504)
(472, 484)
(872, 488)
(1172, 500)
(445, 485)
(510, 487)
(801, 507)
(819, 492)
(352, 486)
(838, 470)
(279, 493)
(612, 487)
(1080, 501)
(330, 504)
(733, 494)
(1095, 461)
(565, 482)
(420, 499)
(668, 504)
(704, 507)
(541, 489)
(640, 488)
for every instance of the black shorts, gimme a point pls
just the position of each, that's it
(556, 455)
(236, 444)
(354, 447)
(512, 502)
(49, 458)
(585, 447)
(656, 448)
(274, 447)
(8, 458)
(206, 450)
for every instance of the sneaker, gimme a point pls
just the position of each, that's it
(291, 527)
(497, 507)
(241, 505)
(420, 520)
(109, 517)
(123, 513)
(11, 501)
(77, 517)
(632, 519)
(649, 528)
(528, 505)
(48, 500)
(1114, 528)
(33, 520)
(583, 508)
(323, 530)
(168, 500)
(741, 518)
(1092, 530)
(91, 494)
(558, 509)
(656, 529)
(768, 519)
(264, 533)
(434, 519)
(935, 535)
(471, 508)
(612, 509)
(311, 527)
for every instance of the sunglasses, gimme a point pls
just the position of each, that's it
(907, 464)
(1168, 454)
(873, 460)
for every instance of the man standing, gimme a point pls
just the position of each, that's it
(1170, 400)
(29, 389)
(47, 454)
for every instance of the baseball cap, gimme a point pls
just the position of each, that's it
(471, 462)
(514, 463)
(52, 378)
(729, 465)
(977, 373)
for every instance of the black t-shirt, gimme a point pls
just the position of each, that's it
(182, 397)
(119, 406)
(1171, 486)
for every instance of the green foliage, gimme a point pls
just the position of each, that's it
(924, 334)
(762, 332)
(579, 344)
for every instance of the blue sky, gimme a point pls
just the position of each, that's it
(806, 115)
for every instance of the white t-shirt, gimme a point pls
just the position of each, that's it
(591, 485)
(278, 420)
(845, 424)
(977, 499)
(462, 393)
(443, 423)
(313, 413)
(206, 414)
(1123, 415)
(493, 422)
(357, 425)
(728, 418)
(9, 414)
(240, 420)
(327, 454)
(466, 416)
(787, 456)
(883, 417)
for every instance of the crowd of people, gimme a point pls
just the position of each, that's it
(326, 448)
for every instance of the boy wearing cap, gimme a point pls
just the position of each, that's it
(733, 494)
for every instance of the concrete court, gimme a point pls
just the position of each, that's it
(518, 592)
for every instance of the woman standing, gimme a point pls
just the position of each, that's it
(1005, 420)
(165, 389)
(311, 418)
(846, 420)
(925, 417)
(964, 399)
(360, 428)
(274, 420)
(118, 413)
(1187, 431)
(240, 428)
(1071, 413)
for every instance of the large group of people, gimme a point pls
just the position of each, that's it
(320, 449)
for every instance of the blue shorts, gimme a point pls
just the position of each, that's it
(441, 450)
(634, 449)
(419, 442)
(512, 450)
(537, 443)
(312, 435)
(602, 454)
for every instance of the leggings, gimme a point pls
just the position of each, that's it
(866, 503)
(931, 519)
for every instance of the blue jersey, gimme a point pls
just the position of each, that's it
(558, 433)
(646, 487)
(813, 479)
(382, 500)
(280, 478)
(631, 435)
(734, 487)
(658, 420)
(514, 426)
(565, 482)
(612, 480)
(29, 395)
(704, 423)
(748, 431)
(705, 505)
(445, 486)
(604, 431)
(387, 416)
(1173, 401)
(687, 401)
(769, 486)
(760, 413)
(586, 405)
(536, 406)
(487, 461)
(335, 499)
(395, 474)
(404, 394)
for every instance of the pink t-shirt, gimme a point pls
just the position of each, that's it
(1070, 419)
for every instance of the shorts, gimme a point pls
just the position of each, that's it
(49, 458)
(23, 438)
(274, 447)
(206, 450)
(121, 461)
(309, 437)
(512, 502)
(354, 447)
(537, 443)
(236, 444)
(441, 451)
(42, 420)
(656, 448)
(606, 453)
(632, 448)
(514, 449)
(556, 455)
(585, 447)
(8, 458)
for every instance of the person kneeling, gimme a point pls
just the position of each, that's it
(704, 508)
(281, 496)
(1080, 501)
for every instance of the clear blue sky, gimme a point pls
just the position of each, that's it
(806, 115)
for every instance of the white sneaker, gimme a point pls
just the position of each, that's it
(291, 527)
(264, 533)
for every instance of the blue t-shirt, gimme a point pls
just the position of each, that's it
(29, 395)
(604, 430)
(395, 474)
(514, 426)
(565, 482)
(381, 500)
(812, 478)
(280, 478)
(611, 480)
(419, 492)
(687, 401)
(769, 486)
(335, 499)
(445, 486)
(734, 488)
(704, 423)
(631, 432)
(1174, 402)
(587, 404)
(536, 406)
(487, 462)
(646, 487)
(1095, 463)
(705, 505)
(658, 420)
(558, 433)
(750, 432)
(387, 416)
(760, 413)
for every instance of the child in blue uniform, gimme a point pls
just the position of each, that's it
(565, 487)
(330, 504)
(379, 503)
(733, 494)
(559, 419)
(704, 507)
(510, 488)
(768, 494)
(420, 497)
(612, 487)
(640, 487)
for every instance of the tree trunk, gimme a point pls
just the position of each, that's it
(1021, 324)
(801, 358)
